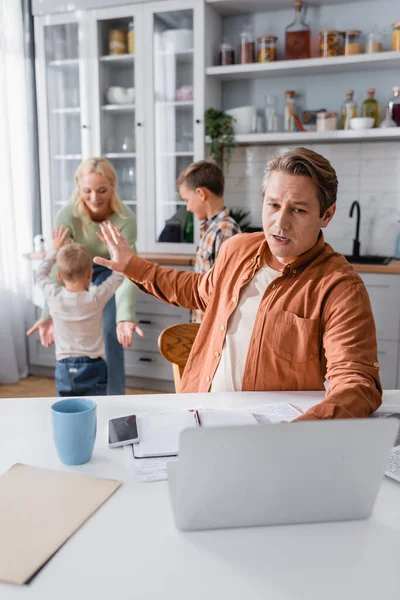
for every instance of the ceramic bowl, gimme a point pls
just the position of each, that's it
(243, 116)
(358, 123)
(120, 95)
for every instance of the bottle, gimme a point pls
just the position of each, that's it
(246, 48)
(370, 107)
(188, 232)
(394, 106)
(349, 110)
(396, 36)
(297, 35)
(131, 38)
(289, 112)
(226, 55)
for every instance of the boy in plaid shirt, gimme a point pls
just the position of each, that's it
(201, 186)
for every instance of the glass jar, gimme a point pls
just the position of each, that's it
(297, 35)
(117, 41)
(267, 48)
(374, 43)
(330, 43)
(271, 117)
(226, 55)
(246, 48)
(352, 42)
(396, 36)
(326, 121)
(131, 38)
(289, 111)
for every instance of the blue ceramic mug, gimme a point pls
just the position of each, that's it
(74, 429)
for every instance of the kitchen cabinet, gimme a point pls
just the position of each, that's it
(150, 130)
(384, 293)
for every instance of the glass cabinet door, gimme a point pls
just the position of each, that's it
(173, 100)
(62, 68)
(117, 100)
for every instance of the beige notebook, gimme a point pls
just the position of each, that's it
(39, 510)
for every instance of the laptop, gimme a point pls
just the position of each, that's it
(306, 472)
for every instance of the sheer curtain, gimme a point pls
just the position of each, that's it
(16, 196)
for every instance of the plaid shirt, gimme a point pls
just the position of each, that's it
(213, 232)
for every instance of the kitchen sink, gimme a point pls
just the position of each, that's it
(369, 260)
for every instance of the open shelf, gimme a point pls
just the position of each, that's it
(120, 155)
(65, 62)
(119, 108)
(118, 60)
(240, 7)
(177, 103)
(307, 66)
(319, 136)
(74, 110)
(182, 153)
(68, 157)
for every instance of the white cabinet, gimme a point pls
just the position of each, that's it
(384, 293)
(142, 109)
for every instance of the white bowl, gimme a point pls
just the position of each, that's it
(120, 95)
(177, 40)
(358, 123)
(243, 116)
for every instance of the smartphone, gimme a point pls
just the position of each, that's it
(122, 431)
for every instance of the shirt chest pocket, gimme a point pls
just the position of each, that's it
(295, 338)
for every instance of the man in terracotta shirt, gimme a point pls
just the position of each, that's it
(283, 310)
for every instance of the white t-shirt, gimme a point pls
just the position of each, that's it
(77, 316)
(229, 374)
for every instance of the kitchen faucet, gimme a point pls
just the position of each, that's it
(356, 241)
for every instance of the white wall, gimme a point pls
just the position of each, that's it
(367, 172)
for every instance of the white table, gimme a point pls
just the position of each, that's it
(130, 548)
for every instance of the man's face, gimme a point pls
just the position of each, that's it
(291, 215)
(195, 201)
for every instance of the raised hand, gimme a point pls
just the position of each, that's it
(60, 237)
(121, 252)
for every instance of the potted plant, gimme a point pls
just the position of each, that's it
(240, 216)
(221, 136)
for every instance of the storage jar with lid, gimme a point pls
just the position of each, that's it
(226, 55)
(352, 42)
(289, 111)
(267, 48)
(330, 43)
(117, 41)
(374, 43)
(326, 121)
(396, 36)
(246, 49)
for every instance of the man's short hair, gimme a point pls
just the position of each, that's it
(203, 174)
(303, 161)
(74, 262)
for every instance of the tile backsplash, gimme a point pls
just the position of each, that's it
(367, 172)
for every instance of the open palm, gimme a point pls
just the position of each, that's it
(121, 252)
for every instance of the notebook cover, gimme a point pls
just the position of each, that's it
(39, 510)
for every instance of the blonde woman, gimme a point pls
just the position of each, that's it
(96, 200)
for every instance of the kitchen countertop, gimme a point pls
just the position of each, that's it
(393, 268)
